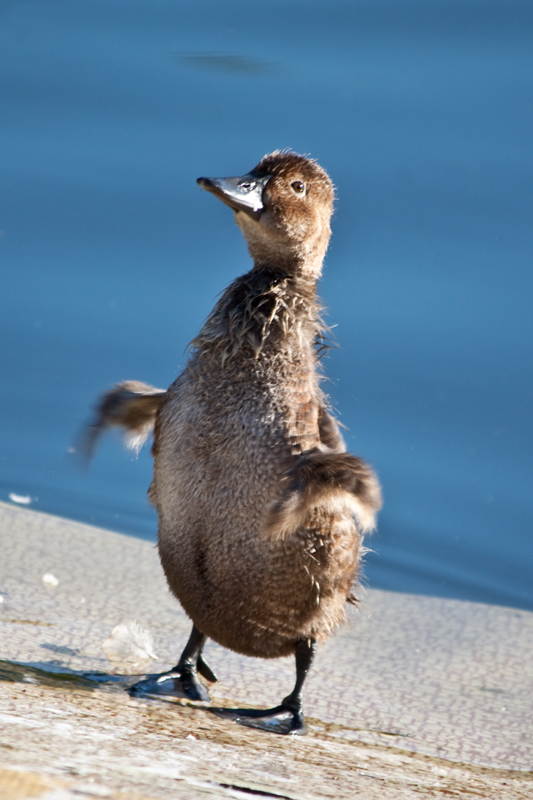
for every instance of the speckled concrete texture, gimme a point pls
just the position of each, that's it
(415, 697)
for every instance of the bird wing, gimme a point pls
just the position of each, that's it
(330, 435)
(131, 405)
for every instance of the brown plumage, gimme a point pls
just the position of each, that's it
(260, 507)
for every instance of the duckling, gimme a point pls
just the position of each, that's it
(261, 509)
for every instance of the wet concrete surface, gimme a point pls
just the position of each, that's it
(415, 697)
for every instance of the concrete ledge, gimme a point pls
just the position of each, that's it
(415, 697)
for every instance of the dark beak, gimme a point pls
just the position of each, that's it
(240, 194)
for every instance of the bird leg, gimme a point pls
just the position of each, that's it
(182, 680)
(286, 718)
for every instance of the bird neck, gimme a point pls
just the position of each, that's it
(265, 310)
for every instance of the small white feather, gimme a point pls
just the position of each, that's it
(21, 499)
(129, 643)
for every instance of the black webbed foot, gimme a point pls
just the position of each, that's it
(280, 719)
(287, 718)
(182, 681)
(179, 682)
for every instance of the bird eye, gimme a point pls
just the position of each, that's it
(298, 187)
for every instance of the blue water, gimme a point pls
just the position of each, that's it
(422, 112)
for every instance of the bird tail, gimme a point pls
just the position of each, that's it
(335, 482)
(131, 405)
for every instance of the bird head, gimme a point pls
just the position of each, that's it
(283, 207)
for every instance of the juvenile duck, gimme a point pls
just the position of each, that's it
(261, 509)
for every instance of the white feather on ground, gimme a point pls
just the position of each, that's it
(130, 644)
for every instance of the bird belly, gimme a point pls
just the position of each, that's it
(255, 595)
(217, 472)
